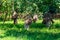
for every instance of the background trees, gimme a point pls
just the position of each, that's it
(27, 6)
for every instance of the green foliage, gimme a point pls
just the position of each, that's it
(28, 6)
(25, 5)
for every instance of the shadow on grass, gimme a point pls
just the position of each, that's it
(33, 25)
(57, 25)
(37, 25)
(32, 35)
(6, 26)
(40, 25)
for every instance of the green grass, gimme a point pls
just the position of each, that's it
(37, 31)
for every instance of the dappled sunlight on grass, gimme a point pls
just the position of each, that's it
(2, 33)
(9, 38)
(57, 21)
(39, 21)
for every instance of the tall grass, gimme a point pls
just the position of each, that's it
(37, 31)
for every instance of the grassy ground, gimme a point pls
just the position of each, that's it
(37, 31)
